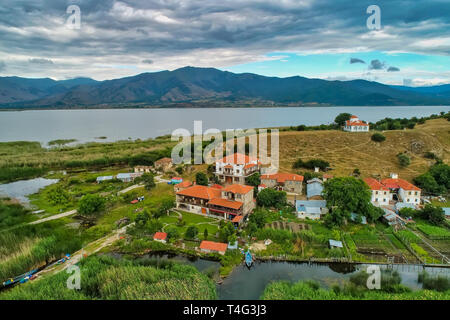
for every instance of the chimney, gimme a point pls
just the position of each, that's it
(394, 175)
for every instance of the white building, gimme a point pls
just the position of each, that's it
(356, 125)
(235, 168)
(380, 194)
(404, 191)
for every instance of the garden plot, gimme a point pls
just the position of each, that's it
(290, 226)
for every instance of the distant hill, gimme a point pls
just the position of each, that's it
(190, 86)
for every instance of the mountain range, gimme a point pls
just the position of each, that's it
(190, 86)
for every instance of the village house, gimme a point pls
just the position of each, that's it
(213, 247)
(104, 178)
(356, 125)
(226, 203)
(128, 177)
(381, 195)
(311, 209)
(143, 169)
(164, 164)
(288, 182)
(181, 186)
(160, 237)
(236, 168)
(402, 190)
(314, 188)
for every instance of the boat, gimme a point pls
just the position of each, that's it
(248, 259)
(19, 279)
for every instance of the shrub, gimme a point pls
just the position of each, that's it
(378, 137)
(403, 159)
(91, 205)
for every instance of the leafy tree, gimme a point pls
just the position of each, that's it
(142, 218)
(271, 198)
(148, 181)
(226, 231)
(201, 179)
(258, 218)
(356, 172)
(205, 234)
(427, 182)
(346, 195)
(301, 127)
(172, 233)
(254, 180)
(311, 164)
(441, 173)
(163, 208)
(91, 205)
(378, 137)
(403, 159)
(341, 118)
(191, 232)
(408, 212)
(154, 225)
(435, 215)
(58, 195)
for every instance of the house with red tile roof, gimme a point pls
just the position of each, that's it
(225, 203)
(381, 195)
(356, 125)
(213, 247)
(402, 190)
(181, 186)
(236, 168)
(160, 237)
(288, 182)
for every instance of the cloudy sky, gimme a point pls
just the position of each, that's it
(312, 38)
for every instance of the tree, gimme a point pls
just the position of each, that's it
(346, 195)
(435, 215)
(441, 173)
(226, 231)
(172, 234)
(201, 179)
(91, 205)
(259, 218)
(301, 127)
(427, 183)
(378, 137)
(271, 198)
(58, 196)
(163, 208)
(205, 234)
(191, 232)
(154, 225)
(341, 118)
(356, 172)
(403, 159)
(142, 218)
(149, 182)
(254, 180)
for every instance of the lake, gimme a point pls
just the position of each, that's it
(20, 190)
(122, 124)
(249, 284)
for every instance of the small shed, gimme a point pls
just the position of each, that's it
(447, 212)
(104, 178)
(213, 247)
(160, 237)
(314, 188)
(335, 244)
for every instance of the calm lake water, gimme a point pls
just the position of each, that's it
(122, 124)
(249, 284)
(21, 189)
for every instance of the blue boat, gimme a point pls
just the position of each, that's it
(21, 279)
(248, 259)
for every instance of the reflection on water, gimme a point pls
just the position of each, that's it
(21, 189)
(244, 283)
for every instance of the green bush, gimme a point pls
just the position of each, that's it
(378, 137)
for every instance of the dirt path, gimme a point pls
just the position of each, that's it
(54, 217)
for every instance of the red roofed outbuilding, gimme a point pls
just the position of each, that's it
(289, 182)
(213, 247)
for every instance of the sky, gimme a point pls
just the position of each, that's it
(311, 38)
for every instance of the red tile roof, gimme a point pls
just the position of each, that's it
(216, 186)
(354, 117)
(201, 192)
(238, 158)
(184, 184)
(374, 184)
(327, 176)
(160, 236)
(399, 183)
(282, 177)
(226, 203)
(250, 165)
(355, 123)
(214, 246)
(238, 188)
(237, 219)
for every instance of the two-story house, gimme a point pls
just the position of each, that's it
(403, 190)
(380, 194)
(227, 203)
(236, 168)
(356, 125)
(288, 182)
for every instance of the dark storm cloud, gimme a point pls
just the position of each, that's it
(238, 30)
(356, 60)
(393, 69)
(376, 65)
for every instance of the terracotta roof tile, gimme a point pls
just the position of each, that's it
(374, 184)
(238, 188)
(201, 192)
(282, 177)
(226, 203)
(160, 236)
(399, 183)
(214, 246)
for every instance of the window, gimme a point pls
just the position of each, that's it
(376, 199)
